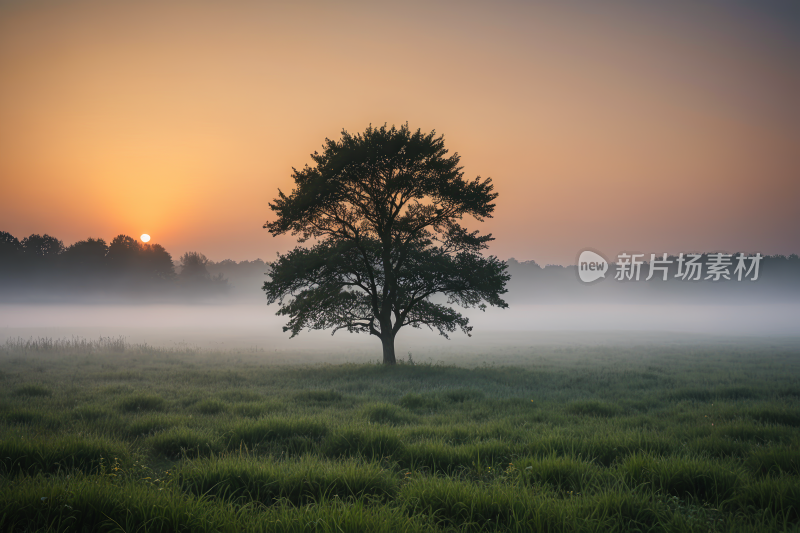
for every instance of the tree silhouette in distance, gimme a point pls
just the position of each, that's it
(194, 267)
(384, 209)
(122, 253)
(157, 261)
(10, 254)
(42, 246)
(86, 256)
(10, 247)
(9, 244)
(194, 273)
(127, 256)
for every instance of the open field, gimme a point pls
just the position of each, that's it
(105, 435)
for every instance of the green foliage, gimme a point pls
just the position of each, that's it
(250, 409)
(786, 416)
(300, 482)
(684, 476)
(183, 441)
(384, 413)
(33, 389)
(141, 402)
(561, 442)
(463, 395)
(779, 495)
(318, 396)
(31, 417)
(774, 461)
(370, 443)
(237, 396)
(562, 473)
(91, 413)
(85, 504)
(385, 208)
(417, 402)
(19, 455)
(148, 424)
(278, 430)
(211, 407)
(591, 408)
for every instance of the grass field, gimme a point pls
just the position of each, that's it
(107, 436)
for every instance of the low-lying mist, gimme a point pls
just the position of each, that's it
(255, 328)
(222, 307)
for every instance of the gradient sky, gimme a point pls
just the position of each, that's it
(620, 126)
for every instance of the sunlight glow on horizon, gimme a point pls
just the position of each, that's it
(621, 126)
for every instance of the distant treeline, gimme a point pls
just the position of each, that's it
(41, 268)
(778, 281)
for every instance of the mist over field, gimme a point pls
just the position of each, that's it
(138, 389)
(221, 306)
(254, 327)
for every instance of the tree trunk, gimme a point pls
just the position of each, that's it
(388, 350)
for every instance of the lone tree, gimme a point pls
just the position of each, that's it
(383, 210)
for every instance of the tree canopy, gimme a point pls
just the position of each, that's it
(384, 211)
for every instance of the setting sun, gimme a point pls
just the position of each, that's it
(145, 237)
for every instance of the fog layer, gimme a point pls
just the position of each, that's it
(255, 328)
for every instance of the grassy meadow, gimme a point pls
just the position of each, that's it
(106, 436)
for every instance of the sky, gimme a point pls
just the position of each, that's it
(617, 125)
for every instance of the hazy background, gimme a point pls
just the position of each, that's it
(617, 125)
(500, 336)
(621, 126)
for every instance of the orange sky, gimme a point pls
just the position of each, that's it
(620, 126)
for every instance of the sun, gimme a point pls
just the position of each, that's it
(145, 237)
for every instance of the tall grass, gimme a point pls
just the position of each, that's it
(301, 481)
(81, 345)
(628, 439)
